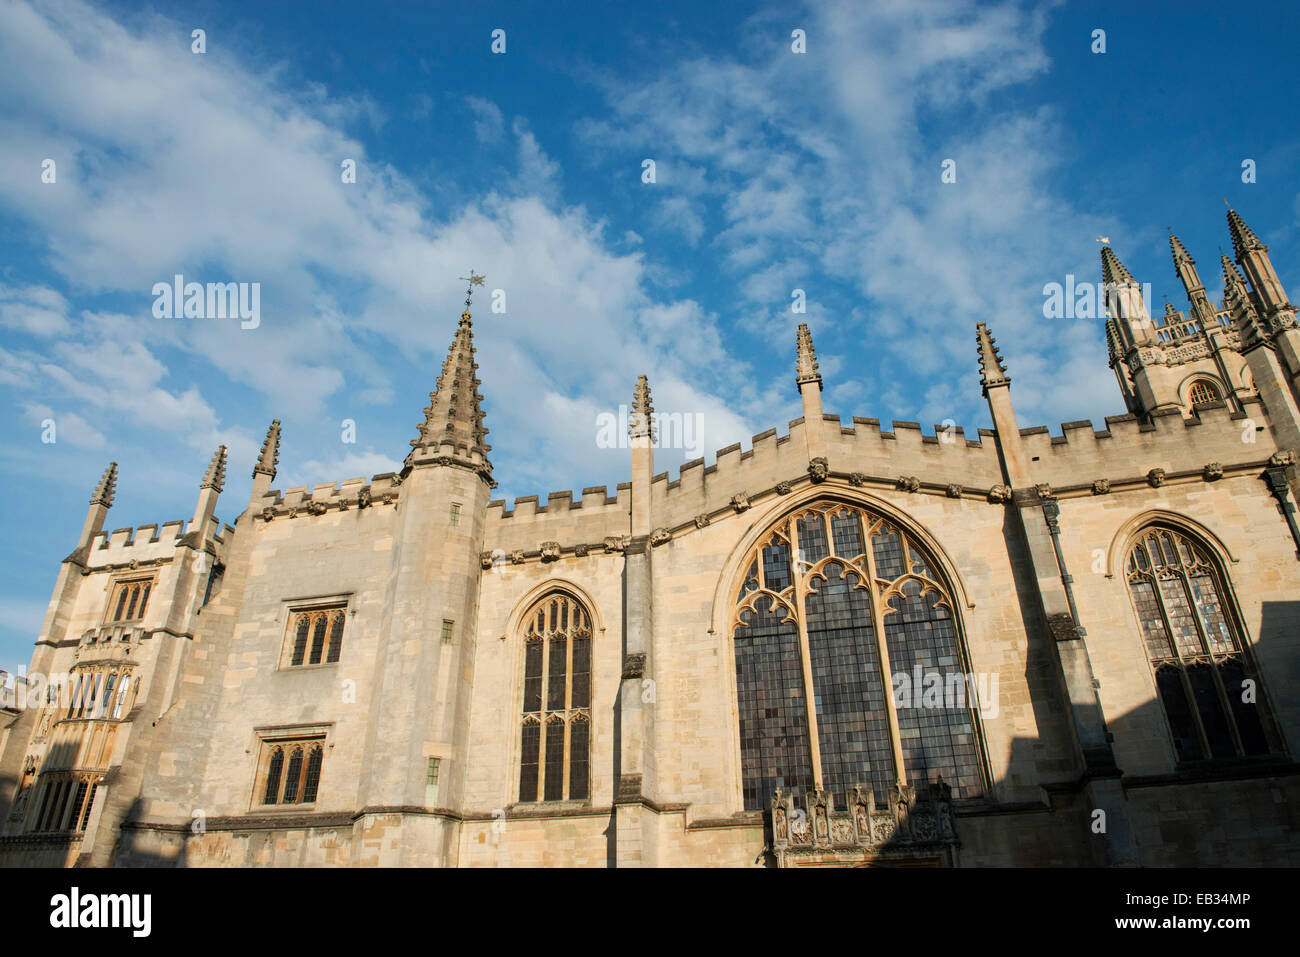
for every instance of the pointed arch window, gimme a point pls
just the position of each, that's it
(315, 635)
(849, 664)
(1208, 689)
(289, 771)
(129, 600)
(555, 727)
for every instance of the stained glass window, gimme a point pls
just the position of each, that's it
(839, 600)
(555, 731)
(1205, 683)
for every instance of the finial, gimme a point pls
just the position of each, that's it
(270, 454)
(215, 477)
(992, 371)
(474, 280)
(805, 365)
(642, 420)
(1181, 255)
(107, 487)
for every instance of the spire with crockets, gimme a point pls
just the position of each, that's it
(107, 487)
(1113, 272)
(1243, 237)
(215, 476)
(642, 422)
(453, 419)
(992, 371)
(270, 455)
(805, 358)
(1237, 301)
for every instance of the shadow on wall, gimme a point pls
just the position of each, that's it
(128, 853)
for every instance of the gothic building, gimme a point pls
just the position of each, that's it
(843, 645)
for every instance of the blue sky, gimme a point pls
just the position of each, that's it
(775, 171)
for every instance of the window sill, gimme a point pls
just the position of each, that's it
(291, 669)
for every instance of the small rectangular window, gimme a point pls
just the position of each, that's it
(446, 631)
(431, 781)
(455, 514)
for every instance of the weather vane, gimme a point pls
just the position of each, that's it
(474, 280)
(1103, 239)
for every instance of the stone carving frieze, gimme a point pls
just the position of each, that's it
(900, 823)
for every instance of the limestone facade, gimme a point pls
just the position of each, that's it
(411, 734)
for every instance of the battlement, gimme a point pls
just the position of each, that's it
(1128, 447)
(557, 503)
(146, 543)
(349, 493)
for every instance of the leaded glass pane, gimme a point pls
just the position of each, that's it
(581, 688)
(1250, 728)
(291, 777)
(776, 565)
(1206, 597)
(846, 531)
(317, 640)
(1210, 708)
(555, 760)
(273, 771)
(533, 676)
(774, 743)
(1187, 742)
(311, 781)
(300, 641)
(86, 808)
(1152, 621)
(529, 746)
(578, 735)
(812, 539)
(852, 720)
(336, 638)
(557, 668)
(1181, 618)
(937, 730)
(887, 550)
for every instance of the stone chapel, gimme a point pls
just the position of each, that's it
(844, 645)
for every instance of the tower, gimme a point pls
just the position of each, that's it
(425, 665)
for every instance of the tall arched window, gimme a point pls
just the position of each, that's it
(820, 609)
(1210, 693)
(555, 730)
